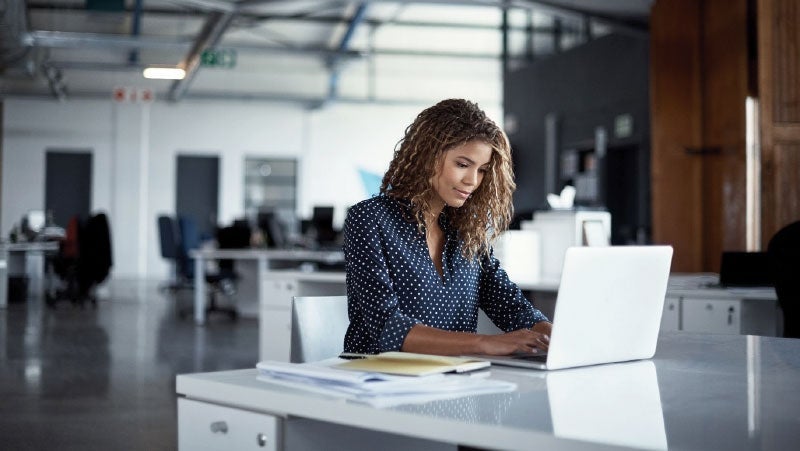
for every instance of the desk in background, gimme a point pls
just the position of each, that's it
(696, 303)
(700, 392)
(14, 261)
(267, 260)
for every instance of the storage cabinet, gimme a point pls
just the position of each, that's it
(275, 311)
(204, 426)
(716, 316)
(671, 318)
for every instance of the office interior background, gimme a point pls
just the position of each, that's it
(331, 87)
(689, 106)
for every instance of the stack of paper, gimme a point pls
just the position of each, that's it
(412, 364)
(376, 389)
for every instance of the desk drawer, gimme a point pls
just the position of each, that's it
(204, 426)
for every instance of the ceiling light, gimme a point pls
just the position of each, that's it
(164, 73)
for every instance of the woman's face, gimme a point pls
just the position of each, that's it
(461, 172)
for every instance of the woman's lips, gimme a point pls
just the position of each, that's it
(463, 194)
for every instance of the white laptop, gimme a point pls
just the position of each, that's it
(608, 308)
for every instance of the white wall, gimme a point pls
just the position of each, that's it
(135, 146)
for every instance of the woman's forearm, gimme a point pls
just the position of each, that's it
(429, 340)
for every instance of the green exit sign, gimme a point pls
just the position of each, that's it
(218, 58)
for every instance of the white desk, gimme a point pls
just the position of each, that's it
(695, 303)
(700, 392)
(14, 261)
(268, 260)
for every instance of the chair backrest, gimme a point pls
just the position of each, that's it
(232, 237)
(168, 237)
(319, 324)
(95, 256)
(190, 239)
(784, 255)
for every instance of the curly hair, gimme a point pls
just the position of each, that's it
(448, 124)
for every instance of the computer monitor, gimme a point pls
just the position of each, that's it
(322, 220)
(745, 269)
(272, 229)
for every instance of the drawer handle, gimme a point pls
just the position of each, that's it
(219, 427)
(261, 439)
(731, 311)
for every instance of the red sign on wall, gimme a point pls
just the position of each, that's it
(127, 94)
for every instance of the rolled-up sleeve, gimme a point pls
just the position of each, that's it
(502, 300)
(376, 323)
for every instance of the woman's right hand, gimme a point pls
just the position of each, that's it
(523, 340)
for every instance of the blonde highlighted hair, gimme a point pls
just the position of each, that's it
(448, 124)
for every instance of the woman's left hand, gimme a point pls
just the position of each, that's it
(543, 327)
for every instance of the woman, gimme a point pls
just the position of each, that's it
(418, 256)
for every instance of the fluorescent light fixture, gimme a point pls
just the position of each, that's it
(164, 73)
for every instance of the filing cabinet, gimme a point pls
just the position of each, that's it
(205, 427)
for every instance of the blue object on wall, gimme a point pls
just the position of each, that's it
(371, 181)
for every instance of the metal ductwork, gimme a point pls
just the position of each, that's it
(13, 29)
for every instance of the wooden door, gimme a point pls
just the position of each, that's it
(779, 93)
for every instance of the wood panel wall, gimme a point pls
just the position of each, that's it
(779, 92)
(699, 83)
(675, 115)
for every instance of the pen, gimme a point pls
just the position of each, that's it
(353, 356)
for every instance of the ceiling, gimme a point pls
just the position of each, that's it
(309, 51)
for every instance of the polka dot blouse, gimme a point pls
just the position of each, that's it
(392, 283)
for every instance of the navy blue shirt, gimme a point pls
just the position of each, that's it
(392, 283)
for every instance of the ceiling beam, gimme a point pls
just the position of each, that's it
(213, 29)
(542, 6)
(334, 62)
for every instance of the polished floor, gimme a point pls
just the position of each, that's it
(103, 378)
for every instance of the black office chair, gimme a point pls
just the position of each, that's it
(222, 282)
(169, 244)
(784, 255)
(84, 260)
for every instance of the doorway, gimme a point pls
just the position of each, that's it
(68, 184)
(197, 191)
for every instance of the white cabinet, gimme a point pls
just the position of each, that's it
(203, 426)
(716, 316)
(671, 318)
(275, 319)
(275, 311)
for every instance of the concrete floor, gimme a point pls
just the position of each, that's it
(103, 378)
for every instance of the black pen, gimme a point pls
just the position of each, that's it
(353, 355)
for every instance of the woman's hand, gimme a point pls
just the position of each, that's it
(523, 340)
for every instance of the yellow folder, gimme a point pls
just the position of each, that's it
(412, 364)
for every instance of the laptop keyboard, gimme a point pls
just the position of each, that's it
(531, 357)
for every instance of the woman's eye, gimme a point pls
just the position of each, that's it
(461, 165)
(483, 170)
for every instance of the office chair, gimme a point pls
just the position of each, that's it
(221, 282)
(319, 324)
(224, 281)
(169, 243)
(784, 255)
(84, 260)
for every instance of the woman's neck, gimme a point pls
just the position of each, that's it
(432, 215)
